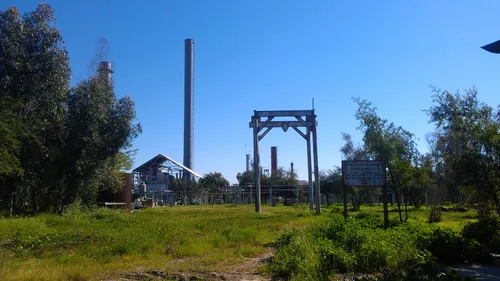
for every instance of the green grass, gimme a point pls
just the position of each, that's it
(103, 243)
(454, 220)
(195, 238)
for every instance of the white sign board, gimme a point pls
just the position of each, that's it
(363, 173)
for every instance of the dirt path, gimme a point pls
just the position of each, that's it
(246, 271)
(482, 273)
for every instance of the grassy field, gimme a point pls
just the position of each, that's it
(102, 244)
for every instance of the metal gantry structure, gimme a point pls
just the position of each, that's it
(303, 119)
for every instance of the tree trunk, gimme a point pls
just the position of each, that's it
(406, 209)
(394, 189)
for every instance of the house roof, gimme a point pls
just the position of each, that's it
(159, 160)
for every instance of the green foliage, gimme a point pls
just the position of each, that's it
(466, 145)
(50, 247)
(407, 251)
(485, 232)
(423, 267)
(57, 143)
(213, 181)
(435, 214)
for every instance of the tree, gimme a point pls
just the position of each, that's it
(214, 183)
(98, 127)
(34, 73)
(56, 144)
(245, 178)
(468, 144)
(331, 182)
(389, 143)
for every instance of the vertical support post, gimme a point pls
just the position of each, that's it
(256, 162)
(271, 196)
(129, 182)
(386, 209)
(316, 167)
(309, 170)
(344, 189)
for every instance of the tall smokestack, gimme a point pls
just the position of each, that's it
(248, 162)
(188, 104)
(274, 159)
(104, 70)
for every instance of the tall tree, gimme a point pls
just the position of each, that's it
(57, 144)
(34, 72)
(468, 143)
(389, 143)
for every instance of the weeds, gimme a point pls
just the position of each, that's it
(65, 247)
(407, 251)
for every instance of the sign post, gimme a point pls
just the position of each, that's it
(364, 173)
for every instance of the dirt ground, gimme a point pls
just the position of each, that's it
(247, 271)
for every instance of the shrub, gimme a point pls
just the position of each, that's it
(486, 232)
(301, 256)
(406, 251)
(435, 214)
(423, 267)
(446, 245)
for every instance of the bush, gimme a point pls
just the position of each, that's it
(301, 256)
(406, 251)
(341, 246)
(447, 245)
(435, 214)
(423, 267)
(486, 232)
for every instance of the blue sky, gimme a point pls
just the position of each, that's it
(270, 55)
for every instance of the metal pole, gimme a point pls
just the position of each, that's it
(386, 209)
(316, 167)
(256, 164)
(309, 170)
(271, 196)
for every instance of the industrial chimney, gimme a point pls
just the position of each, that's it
(188, 105)
(248, 162)
(274, 159)
(104, 70)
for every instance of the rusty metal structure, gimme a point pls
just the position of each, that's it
(303, 119)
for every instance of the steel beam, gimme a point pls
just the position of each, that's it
(284, 113)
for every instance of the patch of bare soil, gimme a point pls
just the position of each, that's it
(246, 271)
